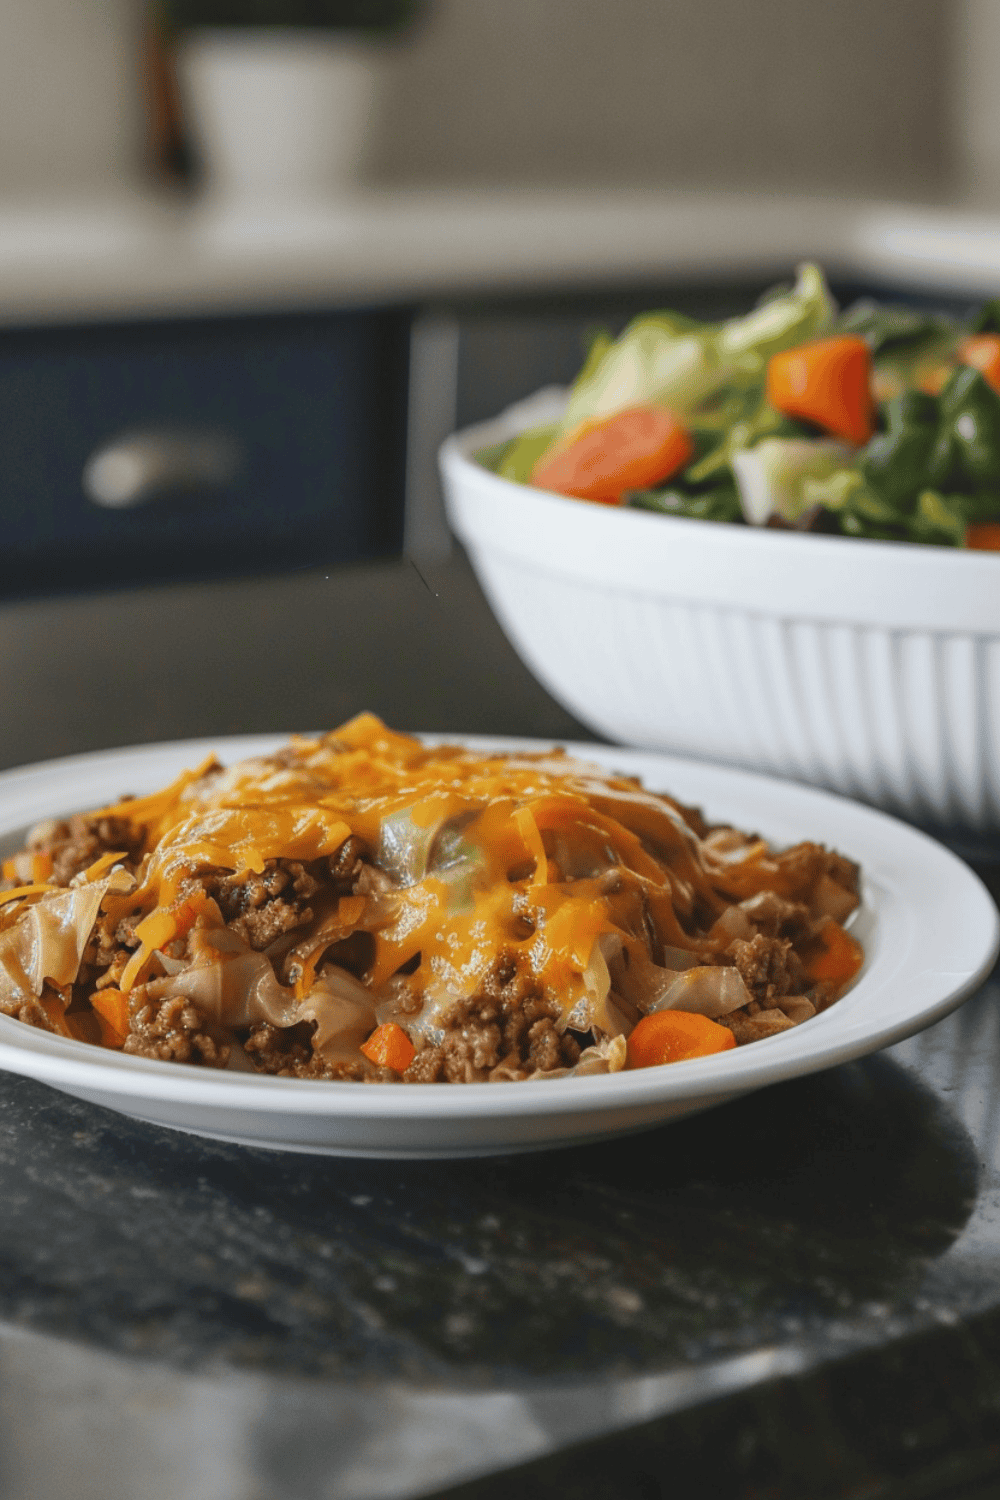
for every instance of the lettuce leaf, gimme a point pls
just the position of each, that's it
(668, 360)
(772, 477)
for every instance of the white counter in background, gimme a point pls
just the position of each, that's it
(134, 257)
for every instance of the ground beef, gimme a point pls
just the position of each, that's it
(116, 965)
(345, 866)
(173, 1031)
(101, 954)
(768, 966)
(755, 1028)
(288, 1054)
(261, 907)
(260, 928)
(29, 1011)
(74, 844)
(775, 917)
(508, 1031)
(807, 866)
(844, 872)
(273, 1049)
(249, 891)
(471, 1047)
(544, 1051)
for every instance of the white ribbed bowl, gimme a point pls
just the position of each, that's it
(872, 668)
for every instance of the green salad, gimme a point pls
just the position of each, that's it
(878, 421)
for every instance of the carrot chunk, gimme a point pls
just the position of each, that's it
(601, 459)
(982, 351)
(826, 382)
(838, 957)
(111, 1008)
(673, 1035)
(983, 536)
(390, 1047)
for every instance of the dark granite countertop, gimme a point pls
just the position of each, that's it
(793, 1295)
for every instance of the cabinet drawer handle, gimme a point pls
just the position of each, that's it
(137, 467)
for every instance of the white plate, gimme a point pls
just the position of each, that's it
(929, 928)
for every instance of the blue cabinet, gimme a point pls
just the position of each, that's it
(310, 411)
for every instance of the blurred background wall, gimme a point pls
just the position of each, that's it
(875, 97)
(855, 96)
(975, 98)
(71, 95)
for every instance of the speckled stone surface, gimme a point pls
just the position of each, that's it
(822, 1199)
(793, 1295)
(554, 1297)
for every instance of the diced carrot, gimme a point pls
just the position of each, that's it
(111, 1008)
(603, 458)
(673, 1035)
(109, 1037)
(982, 351)
(983, 536)
(838, 958)
(827, 382)
(390, 1047)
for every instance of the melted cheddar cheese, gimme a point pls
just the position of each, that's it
(433, 872)
(468, 840)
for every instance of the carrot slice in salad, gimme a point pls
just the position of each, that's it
(982, 351)
(390, 1047)
(983, 536)
(826, 382)
(673, 1036)
(603, 458)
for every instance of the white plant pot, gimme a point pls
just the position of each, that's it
(279, 116)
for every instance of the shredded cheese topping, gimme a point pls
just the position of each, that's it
(464, 836)
(599, 895)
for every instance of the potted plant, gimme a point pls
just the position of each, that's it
(280, 95)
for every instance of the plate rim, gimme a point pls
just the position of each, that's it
(68, 1064)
